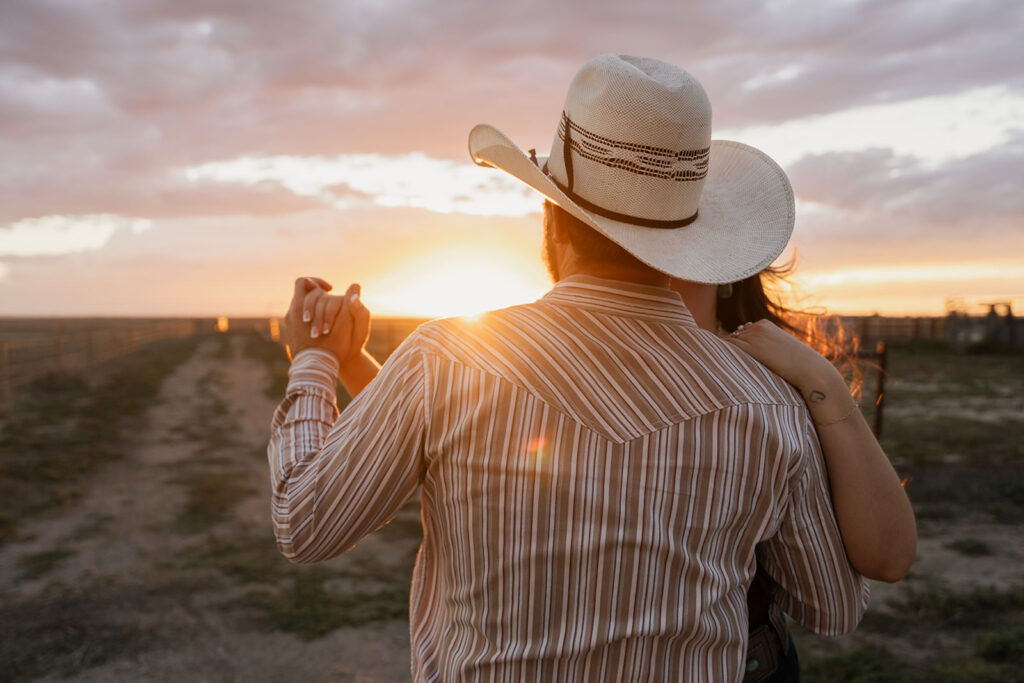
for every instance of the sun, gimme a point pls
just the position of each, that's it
(457, 281)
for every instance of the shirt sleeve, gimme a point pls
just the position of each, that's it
(337, 478)
(815, 582)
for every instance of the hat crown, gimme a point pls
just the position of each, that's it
(641, 100)
(639, 132)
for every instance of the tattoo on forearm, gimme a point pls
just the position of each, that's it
(816, 397)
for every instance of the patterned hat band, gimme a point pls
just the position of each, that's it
(628, 157)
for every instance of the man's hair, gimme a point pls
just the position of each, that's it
(589, 244)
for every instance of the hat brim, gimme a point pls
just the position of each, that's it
(745, 215)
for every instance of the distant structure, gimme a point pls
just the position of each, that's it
(998, 328)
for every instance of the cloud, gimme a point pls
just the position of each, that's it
(980, 192)
(934, 130)
(411, 180)
(53, 235)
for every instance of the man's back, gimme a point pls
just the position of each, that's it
(596, 472)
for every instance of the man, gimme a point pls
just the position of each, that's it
(599, 477)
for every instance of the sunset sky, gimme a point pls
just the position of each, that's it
(179, 157)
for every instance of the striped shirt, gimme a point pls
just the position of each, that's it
(599, 478)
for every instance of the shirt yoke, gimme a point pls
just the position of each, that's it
(620, 375)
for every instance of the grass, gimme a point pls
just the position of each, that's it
(972, 547)
(946, 491)
(210, 498)
(1003, 645)
(309, 610)
(938, 606)
(933, 439)
(64, 635)
(272, 355)
(987, 641)
(870, 664)
(248, 557)
(970, 635)
(66, 428)
(37, 565)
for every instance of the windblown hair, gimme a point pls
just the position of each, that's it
(752, 299)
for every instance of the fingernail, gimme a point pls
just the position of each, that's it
(326, 328)
(314, 333)
(354, 299)
(306, 316)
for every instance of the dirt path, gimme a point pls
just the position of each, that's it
(165, 569)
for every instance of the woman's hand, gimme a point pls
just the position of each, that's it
(316, 319)
(782, 353)
(814, 376)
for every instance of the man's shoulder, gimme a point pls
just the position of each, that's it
(752, 379)
(579, 343)
(440, 332)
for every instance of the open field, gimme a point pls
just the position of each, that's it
(135, 541)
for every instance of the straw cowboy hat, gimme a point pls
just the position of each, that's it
(634, 159)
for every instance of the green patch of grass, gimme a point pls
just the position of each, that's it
(981, 628)
(210, 498)
(310, 611)
(931, 440)
(972, 547)
(946, 491)
(67, 634)
(1003, 645)
(224, 350)
(882, 622)
(249, 558)
(964, 669)
(39, 564)
(273, 356)
(941, 607)
(65, 429)
(856, 665)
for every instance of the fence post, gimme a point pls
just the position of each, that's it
(882, 352)
(6, 390)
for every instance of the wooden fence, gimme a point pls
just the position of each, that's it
(32, 349)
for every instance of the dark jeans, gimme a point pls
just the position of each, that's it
(789, 667)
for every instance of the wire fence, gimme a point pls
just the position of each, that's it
(30, 349)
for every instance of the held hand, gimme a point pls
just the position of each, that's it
(316, 319)
(345, 320)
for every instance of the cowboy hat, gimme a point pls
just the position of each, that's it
(633, 158)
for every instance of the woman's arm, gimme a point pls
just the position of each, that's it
(872, 509)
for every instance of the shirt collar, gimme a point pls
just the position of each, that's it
(617, 297)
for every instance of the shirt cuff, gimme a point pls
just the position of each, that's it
(316, 367)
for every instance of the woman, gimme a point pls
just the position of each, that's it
(872, 509)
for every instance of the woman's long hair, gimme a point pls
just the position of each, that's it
(759, 297)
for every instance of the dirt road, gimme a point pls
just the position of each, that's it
(165, 569)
